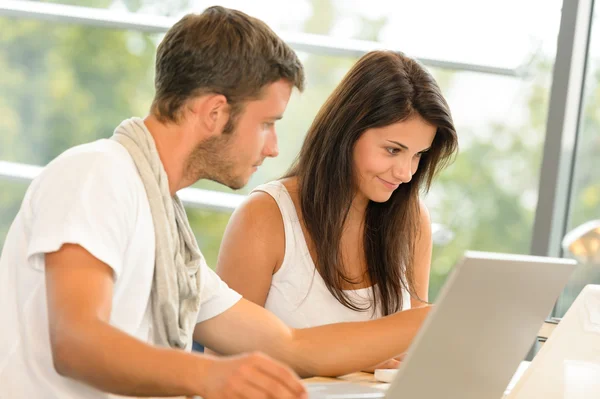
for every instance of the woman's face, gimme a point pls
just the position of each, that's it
(388, 156)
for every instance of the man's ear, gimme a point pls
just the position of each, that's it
(211, 111)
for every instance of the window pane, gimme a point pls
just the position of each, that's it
(11, 195)
(64, 85)
(488, 196)
(585, 195)
(209, 228)
(469, 31)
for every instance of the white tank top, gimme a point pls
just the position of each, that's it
(298, 294)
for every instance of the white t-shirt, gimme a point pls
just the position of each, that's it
(92, 196)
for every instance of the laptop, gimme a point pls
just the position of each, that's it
(483, 324)
(568, 364)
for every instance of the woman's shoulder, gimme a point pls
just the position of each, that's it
(292, 187)
(268, 203)
(424, 217)
(260, 206)
(271, 196)
(258, 223)
(290, 184)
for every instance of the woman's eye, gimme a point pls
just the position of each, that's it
(392, 150)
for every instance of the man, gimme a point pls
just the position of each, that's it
(102, 283)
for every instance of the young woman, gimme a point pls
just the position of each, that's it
(344, 235)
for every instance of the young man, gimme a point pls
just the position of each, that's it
(103, 285)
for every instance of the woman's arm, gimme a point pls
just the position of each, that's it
(252, 248)
(327, 350)
(422, 265)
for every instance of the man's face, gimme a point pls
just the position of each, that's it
(232, 158)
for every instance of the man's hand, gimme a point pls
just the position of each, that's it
(251, 376)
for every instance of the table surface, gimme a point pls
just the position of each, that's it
(368, 379)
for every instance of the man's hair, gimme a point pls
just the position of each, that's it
(220, 51)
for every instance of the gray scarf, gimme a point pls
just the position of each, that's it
(175, 294)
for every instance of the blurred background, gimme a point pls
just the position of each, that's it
(70, 71)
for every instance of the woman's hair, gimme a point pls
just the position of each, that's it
(381, 89)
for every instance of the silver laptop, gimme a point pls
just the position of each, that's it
(485, 320)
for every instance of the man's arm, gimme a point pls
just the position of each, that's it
(87, 348)
(328, 350)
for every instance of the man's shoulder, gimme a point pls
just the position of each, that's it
(92, 160)
(99, 167)
(104, 150)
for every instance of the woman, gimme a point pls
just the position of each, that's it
(344, 236)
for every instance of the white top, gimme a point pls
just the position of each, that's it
(92, 196)
(298, 294)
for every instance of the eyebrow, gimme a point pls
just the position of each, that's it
(405, 147)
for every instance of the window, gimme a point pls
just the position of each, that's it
(487, 197)
(585, 193)
(68, 83)
(11, 195)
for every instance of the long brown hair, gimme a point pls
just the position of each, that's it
(382, 88)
